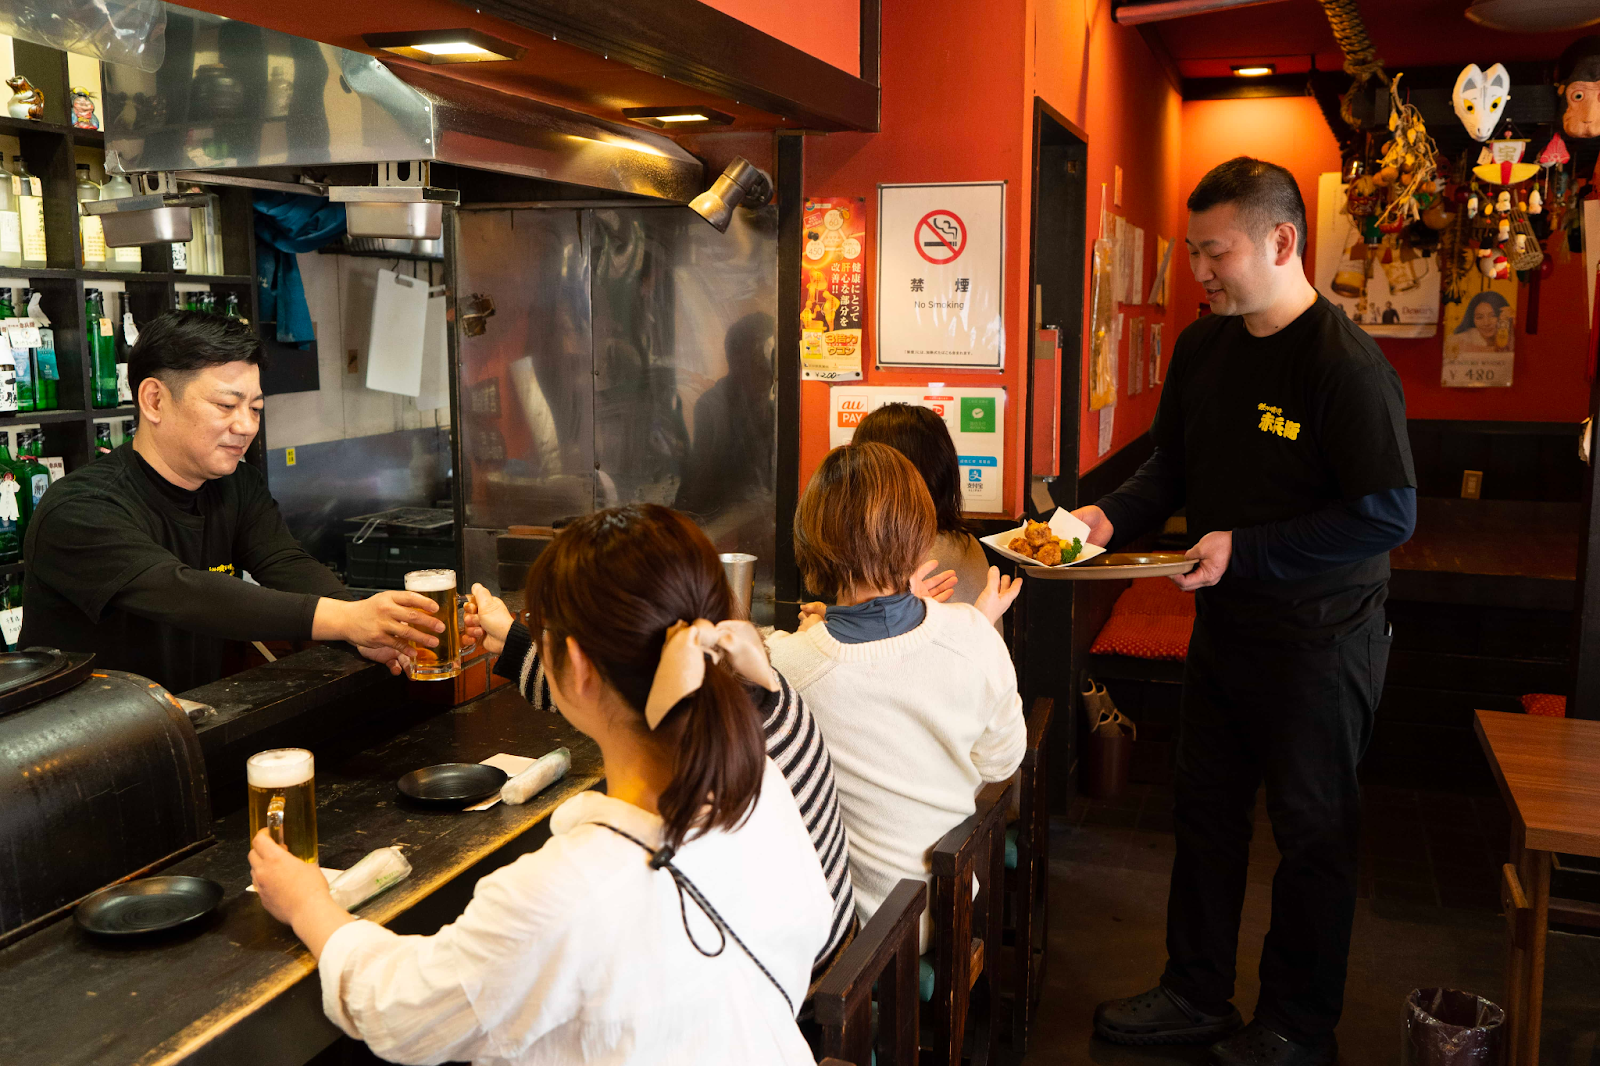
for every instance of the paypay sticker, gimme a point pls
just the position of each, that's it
(974, 417)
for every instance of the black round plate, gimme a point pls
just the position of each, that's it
(452, 783)
(148, 905)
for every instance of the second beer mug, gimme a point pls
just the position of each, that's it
(444, 661)
(283, 798)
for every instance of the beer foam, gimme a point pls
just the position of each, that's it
(280, 768)
(430, 581)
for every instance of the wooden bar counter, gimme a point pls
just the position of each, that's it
(239, 988)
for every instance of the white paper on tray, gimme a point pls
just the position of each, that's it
(1063, 525)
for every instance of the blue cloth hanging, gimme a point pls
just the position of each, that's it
(287, 224)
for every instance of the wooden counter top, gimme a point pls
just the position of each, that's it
(241, 983)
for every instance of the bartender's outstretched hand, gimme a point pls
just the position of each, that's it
(488, 619)
(386, 620)
(395, 659)
(1100, 528)
(1214, 550)
(294, 892)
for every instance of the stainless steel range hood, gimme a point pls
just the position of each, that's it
(233, 96)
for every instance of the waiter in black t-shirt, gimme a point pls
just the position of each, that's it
(137, 556)
(1281, 429)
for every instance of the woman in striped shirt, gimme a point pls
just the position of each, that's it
(794, 743)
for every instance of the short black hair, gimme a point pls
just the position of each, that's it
(1265, 192)
(175, 345)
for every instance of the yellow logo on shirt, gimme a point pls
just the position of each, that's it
(222, 568)
(1272, 421)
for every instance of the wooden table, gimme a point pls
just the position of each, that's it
(1548, 770)
(239, 988)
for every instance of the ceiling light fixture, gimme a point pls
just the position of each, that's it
(1255, 70)
(445, 46)
(680, 117)
(741, 183)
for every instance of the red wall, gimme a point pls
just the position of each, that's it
(1549, 383)
(958, 106)
(950, 113)
(830, 30)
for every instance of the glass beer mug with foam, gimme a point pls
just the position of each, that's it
(283, 799)
(444, 661)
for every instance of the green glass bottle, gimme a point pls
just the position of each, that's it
(35, 476)
(102, 350)
(11, 502)
(46, 375)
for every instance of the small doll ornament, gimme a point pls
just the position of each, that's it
(83, 116)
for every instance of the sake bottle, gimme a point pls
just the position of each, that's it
(34, 474)
(11, 491)
(116, 187)
(91, 237)
(11, 612)
(10, 220)
(46, 375)
(102, 350)
(22, 370)
(30, 206)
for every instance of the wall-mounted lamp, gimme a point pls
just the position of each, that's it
(445, 46)
(741, 183)
(687, 117)
(1254, 70)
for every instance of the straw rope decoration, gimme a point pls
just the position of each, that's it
(1361, 61)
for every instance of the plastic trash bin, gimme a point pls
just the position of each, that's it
(1446, 1027)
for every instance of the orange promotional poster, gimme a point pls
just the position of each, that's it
(832, 264)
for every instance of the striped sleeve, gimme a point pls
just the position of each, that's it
(794, 744)
(519, 660)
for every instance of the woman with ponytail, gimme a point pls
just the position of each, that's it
(674, 918)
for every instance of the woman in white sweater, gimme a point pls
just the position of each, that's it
(673, 919)
(916, 699)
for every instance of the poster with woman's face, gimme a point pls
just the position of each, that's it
(1479, 336)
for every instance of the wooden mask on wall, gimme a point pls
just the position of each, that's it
(1578, 82)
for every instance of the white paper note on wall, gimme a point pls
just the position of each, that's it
(399, 319)
(1107, 421)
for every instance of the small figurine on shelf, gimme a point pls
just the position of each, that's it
(83, 116)
(26, 101)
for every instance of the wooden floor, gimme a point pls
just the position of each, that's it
(1108, 900)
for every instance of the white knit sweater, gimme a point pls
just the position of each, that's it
(915, 725)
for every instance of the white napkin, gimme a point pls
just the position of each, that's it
(512, 765)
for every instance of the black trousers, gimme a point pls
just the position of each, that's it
(1299, 719)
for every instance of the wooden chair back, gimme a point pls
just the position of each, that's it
(883, 953)
(967, 932)
(1027, 886)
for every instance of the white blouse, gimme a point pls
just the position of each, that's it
(577, 952)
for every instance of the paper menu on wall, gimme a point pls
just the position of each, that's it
(1158, 285)
(1107, 419)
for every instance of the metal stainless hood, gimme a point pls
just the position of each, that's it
(233, 96)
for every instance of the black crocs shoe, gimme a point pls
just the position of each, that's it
(1256, 1045)
(1160, 1016)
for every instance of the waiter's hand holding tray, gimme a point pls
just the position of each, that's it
(1090, 562)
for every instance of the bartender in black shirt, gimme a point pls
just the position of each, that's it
(137, 557)
(1281, 429)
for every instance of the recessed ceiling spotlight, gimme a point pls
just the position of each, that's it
(1254, 70)
(681, 117)
(445, 46)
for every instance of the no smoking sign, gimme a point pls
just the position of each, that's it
(940, 237)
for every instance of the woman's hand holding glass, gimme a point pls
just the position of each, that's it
(488, 619)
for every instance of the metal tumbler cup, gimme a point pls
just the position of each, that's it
(741, 571)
